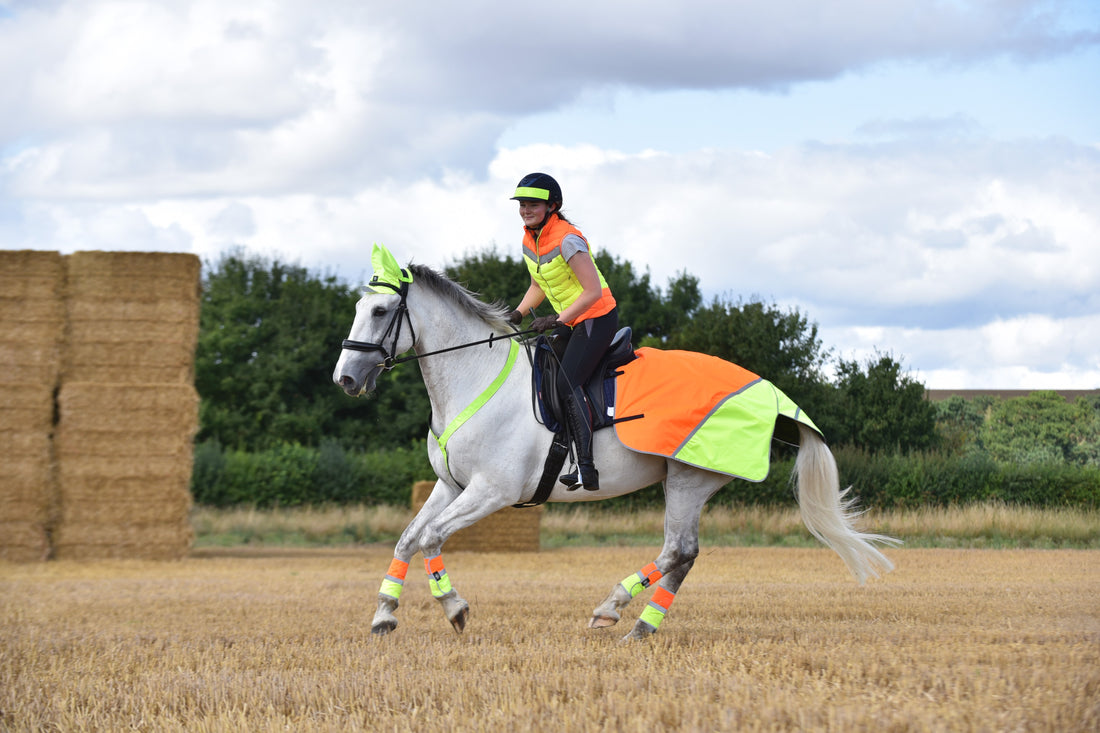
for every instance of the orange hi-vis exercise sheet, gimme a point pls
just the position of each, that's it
(701, 410)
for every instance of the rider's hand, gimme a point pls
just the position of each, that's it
(515, 318)
(545, 323)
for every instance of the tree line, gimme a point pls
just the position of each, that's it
(270, 336)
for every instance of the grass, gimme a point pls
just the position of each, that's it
(976, 526)
(759, 639)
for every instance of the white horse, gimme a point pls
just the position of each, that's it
(488, 450)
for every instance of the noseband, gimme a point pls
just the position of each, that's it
(400, 316)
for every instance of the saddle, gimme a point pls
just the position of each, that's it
(599, 391)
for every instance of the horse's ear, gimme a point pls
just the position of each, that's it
(386, 269)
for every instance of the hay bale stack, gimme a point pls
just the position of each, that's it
(507, 530)
(32, 328)
(133, 317)
(127, 406)
(27, 497)
(124, 470)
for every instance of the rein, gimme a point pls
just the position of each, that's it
(390, 360)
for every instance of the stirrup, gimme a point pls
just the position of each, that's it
(573, 480)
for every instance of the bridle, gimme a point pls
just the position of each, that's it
(401, 316)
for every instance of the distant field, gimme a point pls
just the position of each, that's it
(759, 638)
(976, 526)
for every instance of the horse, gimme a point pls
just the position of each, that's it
(487, 449)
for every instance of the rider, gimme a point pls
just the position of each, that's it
(563, 271)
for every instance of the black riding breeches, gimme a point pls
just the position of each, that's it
(588, 342)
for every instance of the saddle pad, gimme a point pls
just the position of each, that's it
(701, 410)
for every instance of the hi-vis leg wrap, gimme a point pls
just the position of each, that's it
(654, 613)
(395, 579)
(437, 576)
(637, 582)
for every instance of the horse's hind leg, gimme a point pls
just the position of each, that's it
(686, 492)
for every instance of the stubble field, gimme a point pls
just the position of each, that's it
(758, 639)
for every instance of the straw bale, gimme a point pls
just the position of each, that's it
(22, 541)
(19, 444)
(118, 467)
(30, 263)
(25, 474)
(163, 310)
(96, 264)
(18, 286)
(26, 406)
(32, 316)
(28, 362)
(156, 510)
(507, 530)
(119, 374)
(84, 489)
(29, 479)
(27, 488)
(107, 333)
(145, 289)
(146, 542)
(29, 509)
(30, 310)
(28, 275)
(123, 442)
(89, 406)
(123, 362)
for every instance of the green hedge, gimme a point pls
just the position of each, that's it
(291, 475)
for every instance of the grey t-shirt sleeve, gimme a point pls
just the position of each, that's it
(571, 244)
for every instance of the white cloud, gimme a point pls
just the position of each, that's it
(311, 130)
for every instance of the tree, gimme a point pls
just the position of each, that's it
(959, 422)
(883, 409)
(1040, 427)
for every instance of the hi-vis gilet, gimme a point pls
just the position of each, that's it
(553, 274)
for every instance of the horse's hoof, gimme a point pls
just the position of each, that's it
(460, 618)
(383, 627)
(602, 622)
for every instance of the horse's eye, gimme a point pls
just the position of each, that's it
(379, 310)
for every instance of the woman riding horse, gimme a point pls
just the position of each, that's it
(563, 272)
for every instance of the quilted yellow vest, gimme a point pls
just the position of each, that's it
(553, 274)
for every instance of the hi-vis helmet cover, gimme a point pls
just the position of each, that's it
(387, 273)
(538, 187)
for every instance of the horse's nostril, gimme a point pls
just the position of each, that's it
(346, 381)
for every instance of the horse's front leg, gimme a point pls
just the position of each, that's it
(476, 502)
(389, 595)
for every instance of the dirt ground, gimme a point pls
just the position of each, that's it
(757, 639)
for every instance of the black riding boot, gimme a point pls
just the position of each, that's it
(581, 429)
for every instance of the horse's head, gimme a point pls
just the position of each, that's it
(380, 332)
(382, 328)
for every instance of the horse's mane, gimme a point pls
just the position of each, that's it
(494, 314)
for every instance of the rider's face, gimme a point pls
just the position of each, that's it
(533, 212)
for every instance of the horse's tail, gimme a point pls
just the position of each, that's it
(830, 516)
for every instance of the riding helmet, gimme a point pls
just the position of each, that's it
(538, 187)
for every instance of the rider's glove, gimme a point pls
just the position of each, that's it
(545, 323)
(515, 318)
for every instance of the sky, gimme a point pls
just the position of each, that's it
(920, 178)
